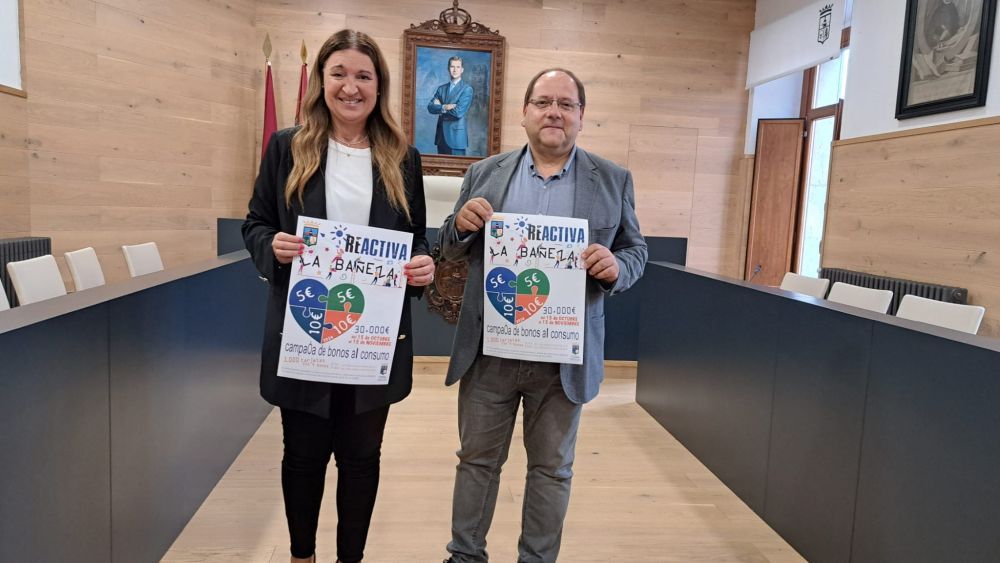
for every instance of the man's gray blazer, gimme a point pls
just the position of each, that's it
(605, 197)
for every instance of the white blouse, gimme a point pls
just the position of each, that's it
(348, 183)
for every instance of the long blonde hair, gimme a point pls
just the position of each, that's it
(386, 138)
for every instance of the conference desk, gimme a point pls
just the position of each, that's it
(122, 406)
(856, 436)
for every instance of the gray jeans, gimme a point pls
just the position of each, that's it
(488, 399)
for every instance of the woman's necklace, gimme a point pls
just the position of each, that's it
(359, 144)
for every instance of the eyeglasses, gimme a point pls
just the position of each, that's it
(564, 106)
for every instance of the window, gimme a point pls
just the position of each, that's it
(823, 89)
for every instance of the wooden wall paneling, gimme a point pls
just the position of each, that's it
(140, 123)
(64, 114)
(745, 188)
(61, 88)
(662, 161)
(155, 106)
(717, 210)
(15, 218)
(15, 215)
(125, 194)
(13, 121)
(62, 167)
(961, 169)
(921, 206)
(656, 64)
(78, 11)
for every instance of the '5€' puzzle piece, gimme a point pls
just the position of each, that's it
(306, 301)
(501, 290)
(532, 293)
(345, 303)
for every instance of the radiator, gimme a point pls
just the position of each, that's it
(898, 287)
(15, 250)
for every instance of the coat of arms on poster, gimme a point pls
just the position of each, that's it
(452, 91)
(825, 19)
(945, 62)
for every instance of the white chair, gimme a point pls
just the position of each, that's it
(965, 318)
(4, 304)
(815, 287)
(85, 268)
(142, 259)
(441, 193)
(36, 279)
(877, 300)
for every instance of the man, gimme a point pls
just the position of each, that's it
(550, 176)
(451, 102)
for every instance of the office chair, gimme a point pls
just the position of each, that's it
(36, 279)
(142, 259)
(877, 300)
(965, 318)
(85, 268)
(815, 287)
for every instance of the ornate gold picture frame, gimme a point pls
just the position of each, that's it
(452, 91)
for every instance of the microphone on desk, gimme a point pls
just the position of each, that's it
(756, 270)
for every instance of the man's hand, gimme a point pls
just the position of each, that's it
(449, 107)
(600, 263)
(286, 247)
(436, 102)
(473, 215)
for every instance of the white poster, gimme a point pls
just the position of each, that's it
(345, 298)
(535, 288)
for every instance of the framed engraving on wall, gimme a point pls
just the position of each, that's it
(452, 91)
(945, 62)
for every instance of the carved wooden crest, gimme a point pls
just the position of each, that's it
(444, 296)
(455, 21)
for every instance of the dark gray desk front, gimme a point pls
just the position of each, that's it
(856, 436)
(122, 406)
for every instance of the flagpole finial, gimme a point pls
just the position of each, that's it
(267, 46)
(304, 53)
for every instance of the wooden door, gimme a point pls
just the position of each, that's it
(774, 199)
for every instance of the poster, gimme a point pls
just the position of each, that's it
(535, 288)
(345, 298)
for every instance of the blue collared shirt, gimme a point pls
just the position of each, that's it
(530, 193)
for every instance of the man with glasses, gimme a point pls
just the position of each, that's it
(551, 175)
(450, 103)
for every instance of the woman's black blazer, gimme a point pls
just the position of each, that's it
(267, 215)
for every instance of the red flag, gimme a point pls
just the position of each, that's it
(270, 117)
(303, 81)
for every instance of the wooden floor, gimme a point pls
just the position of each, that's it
(638, 495)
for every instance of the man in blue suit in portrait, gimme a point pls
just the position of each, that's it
(451, 102)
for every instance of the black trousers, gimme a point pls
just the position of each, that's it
(355, 440)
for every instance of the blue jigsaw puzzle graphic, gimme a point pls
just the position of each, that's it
(501, 289)
(308, 304)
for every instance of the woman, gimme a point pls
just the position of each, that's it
(348, 162)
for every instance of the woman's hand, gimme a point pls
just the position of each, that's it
(419, 270)
(286, 247)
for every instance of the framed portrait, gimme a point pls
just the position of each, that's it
(452, 91)
(945, 62)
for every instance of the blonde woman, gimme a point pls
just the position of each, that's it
(348, 162)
